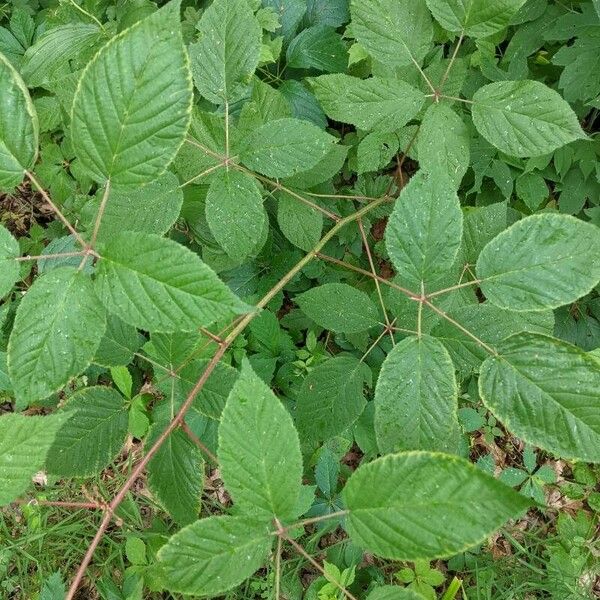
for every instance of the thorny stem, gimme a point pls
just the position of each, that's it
(278, 567)
(49, 256)
(87, 14)
(185, 427)
(97, 223)
(55, 208)
(376, 281)
(200, 175)
(452, 288)
(179, 417)
(388, 328)
(452, 59)
(420, 310)
(427, 80)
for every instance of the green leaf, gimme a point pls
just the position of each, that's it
(416, 398)
(176, 474)
(339, 307)
(53, 588)
(546, 392)
(151, 208)
(18, 127)
(476, 18)
(227, 54)
(524, 118)
(532, 189)
(395, 33)
(235, 213)
(393, 592)
(318, 47)
(284, 147)
(214, 555)
(24, 443)
(9, 267)
(52, 52)
(93, 436)
(374, 103)
(443, 143)
(47, 348)
(259, 451)
(119, 343)
(133, 102)
(331, 398)
(540, 262)
(424, 232)
(159, 285)
(376, 150)
(425, 505)
(301, 224)
(491, 325)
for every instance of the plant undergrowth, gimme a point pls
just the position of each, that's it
(300, 299)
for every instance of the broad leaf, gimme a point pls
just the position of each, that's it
(9, 267)
(235, 213)
(133, 102)
(393, 592)
(159, 285)
(259, 451)
(375, 103)
(425, 229)
(284, 147)
(443, 143)
(546, 392)
(55, 48)
(524, 118)
(227, 53)
(301, 224)
(214, 555)
(331, 397)
(47, 348)
(118, 344)
(151, 208)
(490, 325)
(416, 398)
(176, 474)
(93, 436)
(395, 33)
(319, 47)
(18, 127)
(339, 307)
(540, 262)
(476, 18)
(423, 505)
(24, 443)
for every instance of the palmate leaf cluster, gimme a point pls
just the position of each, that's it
(207, 152)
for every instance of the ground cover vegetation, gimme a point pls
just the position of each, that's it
(299, 299)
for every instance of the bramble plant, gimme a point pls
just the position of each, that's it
(280, 243)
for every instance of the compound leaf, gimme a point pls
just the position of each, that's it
(259, 451)
(9, 267)
(235, 213)
(284, 147)
(476, 18)
(93, 435)
(214, 555)
(524, 118)
(227, 53)
(395, 33)
(18, 127)
(47, 348)
(374, 103)
(425, 505)
(339, 307)
(159, 285)
(416, 398)
(546, 392)
(540, 262)
(424, 231)
(133, 102)
(24, 443)
(331, 397)
(176, 474)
